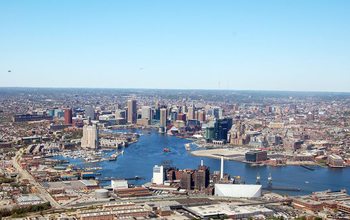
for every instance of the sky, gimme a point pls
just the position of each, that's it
(294, 45)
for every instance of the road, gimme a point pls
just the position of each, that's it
(24, 174)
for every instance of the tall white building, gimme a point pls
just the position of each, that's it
(158, 175)
(90, 137)
(146, 112)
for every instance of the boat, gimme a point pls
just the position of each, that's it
(166, 150)
(113, 157)
(188, 147)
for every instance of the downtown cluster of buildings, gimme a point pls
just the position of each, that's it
(272, 129)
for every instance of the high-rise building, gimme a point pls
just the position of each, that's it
(90, 137)
(163, 119)
(158, 175)
(146, 112)
(132, 111)
(68, 116)
(222, 127)
(201, 115)
(191, 113)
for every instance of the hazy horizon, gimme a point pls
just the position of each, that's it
(179, 89)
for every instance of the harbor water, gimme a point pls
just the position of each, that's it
(139, 158)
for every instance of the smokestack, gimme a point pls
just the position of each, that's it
(202, 163)
(222, 168)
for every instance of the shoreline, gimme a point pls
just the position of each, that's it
(238, 155)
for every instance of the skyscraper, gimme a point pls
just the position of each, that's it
(90, 137)
(201, 115)
(68, 116)
(190, 113)
(146, 112)
(163, 119)
(132, 111)
(222, 127)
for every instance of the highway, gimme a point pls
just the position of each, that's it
(24, 174)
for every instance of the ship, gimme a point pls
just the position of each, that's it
(188, 147)
(166, 149)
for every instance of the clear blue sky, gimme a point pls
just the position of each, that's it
(199, 44)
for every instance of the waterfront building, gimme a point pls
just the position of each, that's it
(143, 121)
(238, 190)
(163, 120)
(158, 175)
(132, 111)
(90, 137)
(335, 161)
(256, 156)
(237, 134)
(221, 128)
(68, 114)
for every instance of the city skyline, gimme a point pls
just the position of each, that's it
(240, 45)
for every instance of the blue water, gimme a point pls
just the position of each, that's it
(139, 159)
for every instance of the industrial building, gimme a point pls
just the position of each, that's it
(119, 184)
(238, 190)
(227, 210)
